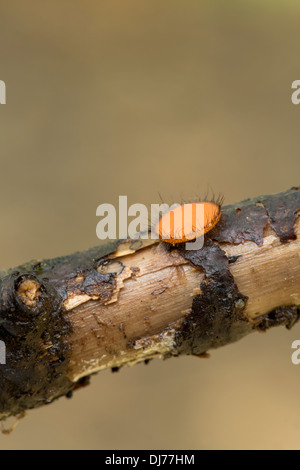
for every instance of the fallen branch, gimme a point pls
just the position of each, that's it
(126, 302)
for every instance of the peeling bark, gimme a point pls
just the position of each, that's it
(131, 301)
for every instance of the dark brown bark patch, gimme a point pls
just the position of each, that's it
(241, 223)
(282, 211)
(216, 317)
(286, 316)
(247, 220)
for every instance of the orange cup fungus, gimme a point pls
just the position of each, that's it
(188, 222)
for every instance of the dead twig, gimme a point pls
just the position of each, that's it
(126, 302)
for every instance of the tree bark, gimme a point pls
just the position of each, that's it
(130, 301)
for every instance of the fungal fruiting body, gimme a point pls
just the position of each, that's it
(188, 222)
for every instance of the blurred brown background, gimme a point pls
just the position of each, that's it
(135, 98)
